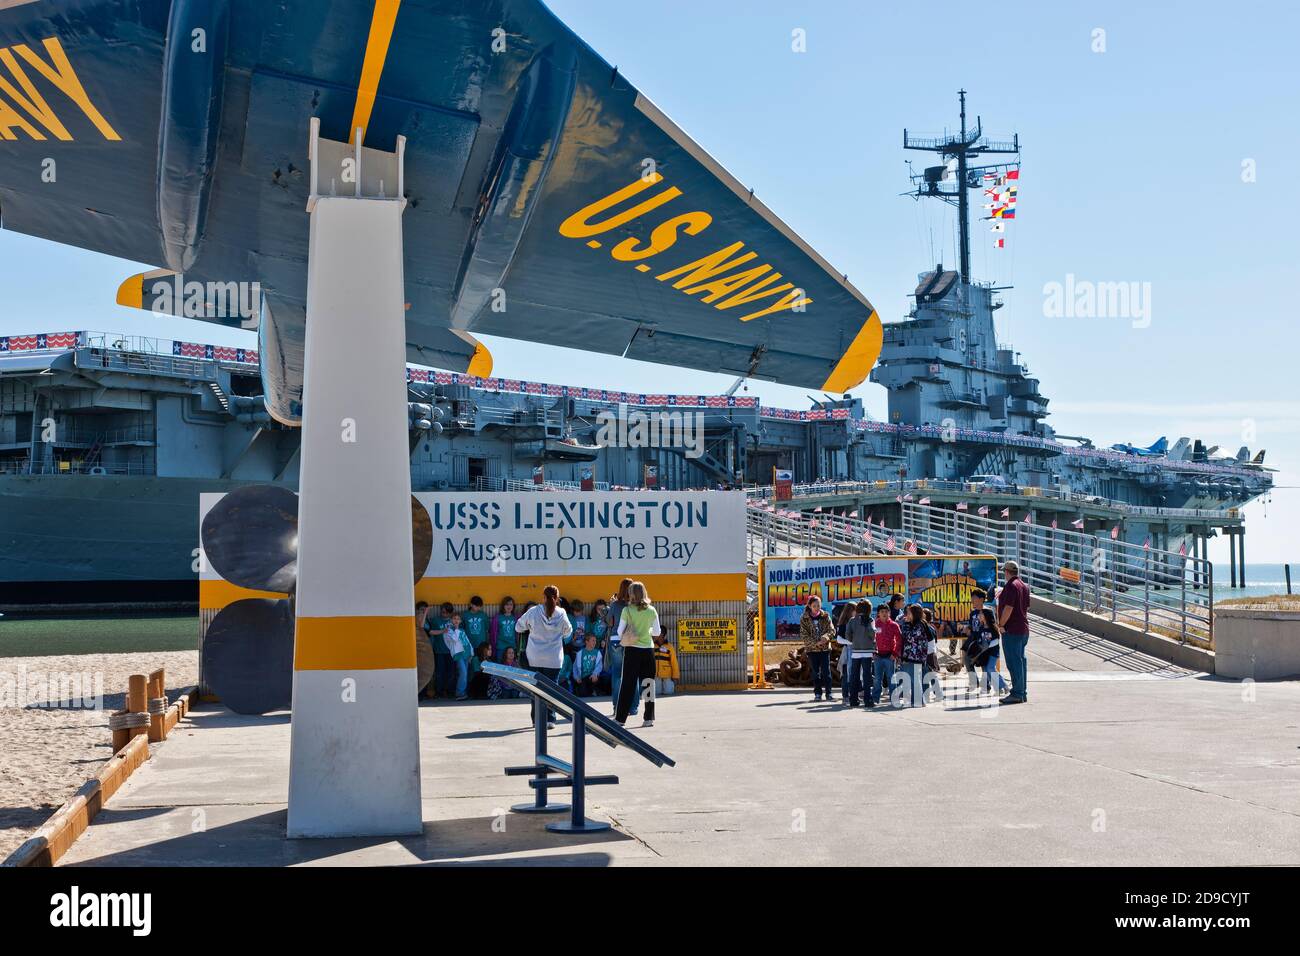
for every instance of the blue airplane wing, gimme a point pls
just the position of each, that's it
(549, 199)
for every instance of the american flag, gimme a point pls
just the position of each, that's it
(1078, 523)
(1146, 545)
(853, 514)
(1114, 533)
(1027, 517)
(924, 501)
(984, 510)
(910, 547)
(1006, 512)
(1182, 549)
(907, 497)
(889, 543)
(818, 509)
(1053, 524)
(962, 506)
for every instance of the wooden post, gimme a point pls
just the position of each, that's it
(157, 689)
(137, 701)
(120, 737)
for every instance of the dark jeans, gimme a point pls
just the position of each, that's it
(821, 668)
(1013, 646)
(553, 673)
(637, 681)
(444, 673)
(860, 669)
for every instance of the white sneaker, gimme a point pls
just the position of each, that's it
(647, 723)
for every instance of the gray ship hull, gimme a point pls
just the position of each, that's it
(83, 539)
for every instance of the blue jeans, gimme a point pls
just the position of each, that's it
(846, 670)
(860, 669)
(821, 668)
(615, 669)
(912, 689)
(991, 674)
(462, 677)
(884, 676)
(1013, 645)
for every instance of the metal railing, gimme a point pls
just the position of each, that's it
(485, 483)
(1161, 592)
(26, 467)
(918, 487)
(147, 363)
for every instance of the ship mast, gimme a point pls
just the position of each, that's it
(957, 151)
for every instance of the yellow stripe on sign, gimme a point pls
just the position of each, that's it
(372, 68)
(854, 365)
(354, 643)
(585, 587)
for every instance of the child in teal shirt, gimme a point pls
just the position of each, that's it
(502, 634)
(577, 621)
(476, 622)
(586, 669)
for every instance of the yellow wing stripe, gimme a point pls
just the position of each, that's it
(481, 363)
(381, 32)
(131, 292)
(855, 364)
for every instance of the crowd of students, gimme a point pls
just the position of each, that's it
(615, 648)
(892, 649)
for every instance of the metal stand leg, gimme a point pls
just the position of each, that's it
(539, 804)
(577, 822)
(354, 751)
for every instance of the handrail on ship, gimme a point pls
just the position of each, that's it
(1160, 592)
(1028, 492)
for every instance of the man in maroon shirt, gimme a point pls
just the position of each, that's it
(1013, 619)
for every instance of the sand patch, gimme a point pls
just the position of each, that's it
(49, 751)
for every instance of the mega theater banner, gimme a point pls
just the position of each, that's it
(942, 584)
(685, 545)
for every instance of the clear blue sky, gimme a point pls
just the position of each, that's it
(1132, 172)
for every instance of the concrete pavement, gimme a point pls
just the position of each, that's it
(1118, 759)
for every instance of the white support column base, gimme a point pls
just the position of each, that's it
(354, 764)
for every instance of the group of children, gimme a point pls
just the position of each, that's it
(463, 641)
(893, 649)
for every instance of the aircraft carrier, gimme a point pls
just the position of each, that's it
(106, 440)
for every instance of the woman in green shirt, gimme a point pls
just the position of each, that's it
(638, 626)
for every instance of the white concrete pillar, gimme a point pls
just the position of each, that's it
(354, 753)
